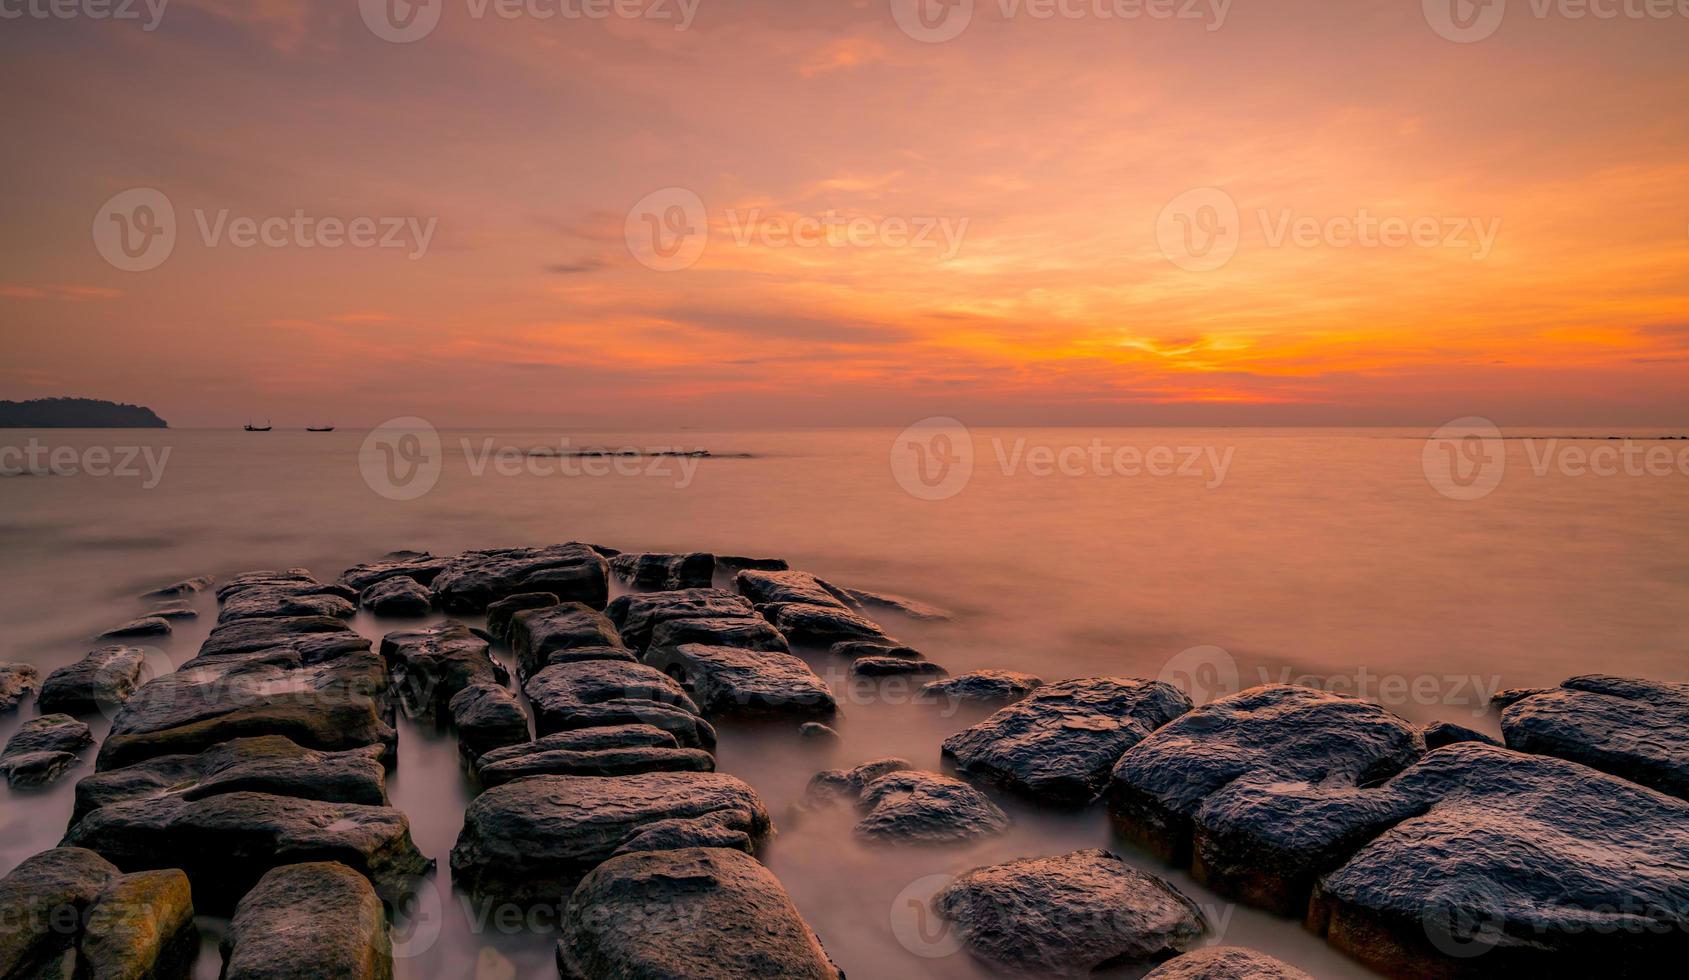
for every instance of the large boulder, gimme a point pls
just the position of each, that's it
(311, 639)
(927, 808)
(664, 572)
(500, 614)
(536, 634)
(700, 913)
(431, 665)
(745, 632)
(487, 717)
(638, 615)
(1210, 789)
(42, 902)
(43, 749)
(822, 625)
(773, 588)
(100, 681)
(730, 682)
(1060, 743)
(419, 566)
(613, 750)
(397, 596)
(141, 927)
(1068, 915)
(309, 920)
(1225, 963)
(17, 681)
(475, 579)
(1636, 729)
(593, 693)
(258, 595)
(226, 843)
(533, 839)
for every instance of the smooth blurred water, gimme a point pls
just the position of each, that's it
(1322, 556)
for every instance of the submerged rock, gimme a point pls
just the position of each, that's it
(397, 596)
(419, 566)
(17, 682)
(431, 665)
(734, 564)
(901, 605)
(834, 784)
(187, 586)
(137, 628)
(42, 903)
(487, 717)
(536, 634)
(639, 615)
(700, 913)
(141, 926)
(174, 611)
(1060, 743)
(318, 919)
(927, 808)
(665, 572)
(822, 626)
(501, 613)
(1635, 729)
(730, 682)
(101, 680)
(43, 749)
(895, 667)
(818, 732)
(982, 685)
(533, 839)
(594, 693)
(857, 649)
(1225, 963)
(475, 579)
(1069, 915)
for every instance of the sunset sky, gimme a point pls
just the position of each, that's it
(1052, 145)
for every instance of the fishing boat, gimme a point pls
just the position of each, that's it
(258, 428)
(319, 428)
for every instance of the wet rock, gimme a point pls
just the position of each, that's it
(1439, 734)
(475, 579)
(419, 566)
(594, 693)
(397, 596)
(174, 611)
(926, 808)
(141, 928)
(599, 762)
(822, 626)
(857, 649)
(43, 749)
(734, 564)
(639, 615)
(187, 586)
(226, 843)
(1225, 963)
(1221, 787)
(536, 634)
(137, 628)
(1635, 729)
(1060, 742)
(259, 595)
(285, 578)
(487, 717)
(789, 588)
(982, 685)
(816, 731)
(533, 839)
(1515, 865)
(311, 639)
(1069, 915)
(267, 764)
(848, 784)
(664, 572)
(17, 682)
(431, 665)
(500, 613)
(729, 913)
(898, 604)
(102, 680)
(318, 919)
(729, 682)
(42, 902)
(1502, 699)
(745, 632)
(895, 667)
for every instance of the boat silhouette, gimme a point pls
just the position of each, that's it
(319, 428)
(258, 428)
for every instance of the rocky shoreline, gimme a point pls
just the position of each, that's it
(250, 783)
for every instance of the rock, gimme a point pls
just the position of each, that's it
(397, 596)
(789, 588)
(1502, 699)
(1507, 864)
(418, 566)
(141, 928)
(174, 611)
(1219, 787)
(42, 902)
(638, 615)
(535, 634)
(857, 649)
(100, 681)
(1635, 729)
(730, 682)
(1061, 741)
(226, 843)
(1225, 963)
(834, 784)
(745, 632)
(145, 626)
(895, 667)
(818, 732)
(285, 578)
(431, 665)
(614, 750)
(1068, 915)
(267, 764)
(533, 839)
(187, 586)
(501, 613)
(487, 717)
(822, 626)
(475, 579)
(982, 685)
(43, 749)
(926, 808)
(897, 604)
(1442, 733)
(734, 564)
(594, 693)
(311, 639)
(17, 682)
(258, 595)
(664, 572)
(729, 914)
(319, 919)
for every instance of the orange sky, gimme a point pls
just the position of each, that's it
(1053, 145)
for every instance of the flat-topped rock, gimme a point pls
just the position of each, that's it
(1225, 963)
(101, 681)
(266, 764)
(141, 926)
(734, 564)
(834, 784)
(857, 649)
(1069, 915)
(773, 588)
(730, 682)
(42, 902)
(312, 639)
(533, 839)
(902, 605)
(140, 628)
(175, 590)
(1060, 742)
(17, 682)
(174, 611)
(258, 595)
(1632, 728)
(316, 919)
(1194, 791)
(431, 665)
(227, 842)
(593, 693)
(822, 626)
(535, 634)
(284, 577)
(700, 913)
(43, 749)
(895, 667)
(418, 566)
(926, 808)
(653, 572)
(475, 579)
(981, 686)
(745, 632)
(397, 596)
(613, 750)
(487, 717)
(500, 613)
(1441, 733)
(639, 615)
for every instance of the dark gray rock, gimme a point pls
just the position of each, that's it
(1441, 733)
(664, 572)
(1225, 963)
(174, 611)
(614, 750)
(500, 613)
(639, 615)
(397, 596)
(419, 566)
(745, 632)
(1632, 728)
(895, 667)
(533, 839)
(289, 578)
(822, 626)
(818, 732)
(101, 681)
(187, 586)
(700, 913)
(431, 665)
(475, 579)
(903, 606)
(1218, 787)
(17, 682)
(1060, 742)
(766, 588)
(312, 639)
(536, 634)
(729, 682)
(487, 717)
(43, 749)
(926, 808)
(857, 649)
(1069, 915)
(306, 921)
(259, 595)
(734, 564)
(42, 903)
(835, 784)
(138, 628)
(226, 843)
(981, 685)
(141, 927)
(1502, 699)
(594, 693)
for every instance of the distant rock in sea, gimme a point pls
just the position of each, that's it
(76, 413)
